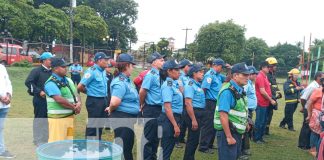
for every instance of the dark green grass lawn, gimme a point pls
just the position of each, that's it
(282, 144)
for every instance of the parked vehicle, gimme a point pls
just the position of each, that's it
(15, 54)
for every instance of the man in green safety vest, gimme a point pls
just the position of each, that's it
(62, 102)
(231, 115)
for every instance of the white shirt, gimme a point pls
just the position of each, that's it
(46, 67)
(307, 92)
(5, 85)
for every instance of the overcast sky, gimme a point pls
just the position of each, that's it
(272, 20)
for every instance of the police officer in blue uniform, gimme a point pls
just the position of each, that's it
(110, 77)
(172, 99)
(184, 64)
(35, 83)
(124, 104)
(151, 104)
(94, 84)
(211, 84)
(76, 69)
(195, 110)
(229, 139)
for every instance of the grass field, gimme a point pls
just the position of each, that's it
(282, 144)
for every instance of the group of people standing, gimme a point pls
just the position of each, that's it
(175, 96)
(312, 102)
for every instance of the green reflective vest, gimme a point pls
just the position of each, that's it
(54, 109)
(237, 115)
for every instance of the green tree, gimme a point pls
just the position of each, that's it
(224, 40)
(256, 46)
(193, 53)
(286, 55)
(120, 15)
(87, 23)
(50, 24)
(7, 12)
(56, 3)
(163, 46)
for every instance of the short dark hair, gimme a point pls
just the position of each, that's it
(318, 75)
(264, 64)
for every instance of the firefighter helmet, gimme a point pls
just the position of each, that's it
(272, 61)
(294, 71)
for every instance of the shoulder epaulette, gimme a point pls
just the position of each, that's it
(212, 73)
(169, 83)
(190, 83)
(153, 72)
(93, 68)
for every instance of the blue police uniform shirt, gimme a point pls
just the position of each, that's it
(171, 93)
(212, 82)
(95, 81)
(183, 78)
(151, 84)
(227, 99)
(74, 68)
(51, 89)
(251, 95)
(123, 88)
(194, 91)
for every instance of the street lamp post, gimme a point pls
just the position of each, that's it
(145, 53)
(73, 5)
(83, 50)
(107, 38)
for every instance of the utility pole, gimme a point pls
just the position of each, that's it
(144, 56)
(186, 29)
(308, 58)
(72, 5)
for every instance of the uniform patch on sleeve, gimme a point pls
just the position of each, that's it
(169, 83)
(121, 78)
(209, 80)
(87, 75)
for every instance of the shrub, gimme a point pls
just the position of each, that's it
(23, 63)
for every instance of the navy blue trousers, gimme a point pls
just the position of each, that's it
(168, 140)
(96, 113)
(151, 112)
(193, 136)
(208, 131)
(228, 152)
(123, 125)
